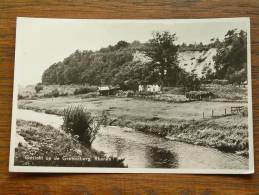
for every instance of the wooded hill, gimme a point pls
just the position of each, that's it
(130, 64)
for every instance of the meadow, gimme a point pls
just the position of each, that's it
(133, 107)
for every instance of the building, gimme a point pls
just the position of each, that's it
(108, 90)
(149, 88)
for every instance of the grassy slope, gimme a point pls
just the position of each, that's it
(46, 141)
(229, 134)
(227, 92)
(174, 120)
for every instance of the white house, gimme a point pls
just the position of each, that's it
(149, 88)
(103, 88)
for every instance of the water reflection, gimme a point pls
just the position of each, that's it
(136, 154)
(142, 150)
(160, 158)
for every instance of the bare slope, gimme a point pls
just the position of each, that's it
(199, 62)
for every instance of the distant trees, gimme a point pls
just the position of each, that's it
(215, 43)
(231, 57)
(195, 47)
(94, 68)
(130, 75)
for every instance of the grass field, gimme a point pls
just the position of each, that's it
(134, 108)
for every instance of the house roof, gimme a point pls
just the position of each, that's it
(105, 88)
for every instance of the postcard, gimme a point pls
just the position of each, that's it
(132, 96)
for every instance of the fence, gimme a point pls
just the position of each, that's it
(237, 109)
(233, 110)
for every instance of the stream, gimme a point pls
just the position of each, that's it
(142, 150)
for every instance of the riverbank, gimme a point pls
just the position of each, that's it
(176, 121)
(43, 145)
(228, 134)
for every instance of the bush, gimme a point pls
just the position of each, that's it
(190, 81)
(77, 121)
(21, 97)
(38, 87)
(146, 93)
(84, 90)
(53, 93)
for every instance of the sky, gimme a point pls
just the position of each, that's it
(42, 42)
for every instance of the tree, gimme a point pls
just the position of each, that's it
(38, 87)
(237, 77)
(231, 57)
(189, 81)
(162, 51)
(121, 44)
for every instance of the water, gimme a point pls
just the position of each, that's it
(142, 150)
(43, 118)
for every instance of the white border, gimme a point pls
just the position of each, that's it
(46, 169)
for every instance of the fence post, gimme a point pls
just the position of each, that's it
(225, 111)
(202, 114)
(212, 112)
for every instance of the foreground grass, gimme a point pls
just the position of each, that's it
(228, 134)
(47, 146)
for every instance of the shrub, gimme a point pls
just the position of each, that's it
(190, 81)
(53, 93)
(146, 93)
(77, 121)
(21, 97)
(38, 87)
(84, 90)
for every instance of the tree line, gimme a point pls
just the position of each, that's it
(115, 65)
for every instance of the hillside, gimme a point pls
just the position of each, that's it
(95, 68)
(158, 61)
(117, 66)
(198, 62)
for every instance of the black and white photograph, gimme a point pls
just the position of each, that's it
(132, 96)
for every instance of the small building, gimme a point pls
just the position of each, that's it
(149, 88)
(108, 90)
